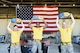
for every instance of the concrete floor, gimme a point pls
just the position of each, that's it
(52, 49)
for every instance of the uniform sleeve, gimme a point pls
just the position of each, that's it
(11, 31)
(70, 27)
(42, 28)
(60, 28)
(32, 28)
(20, 32)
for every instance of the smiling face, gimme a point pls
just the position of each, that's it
(38, 24)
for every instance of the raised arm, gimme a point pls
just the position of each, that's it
(45, 24)
(22, 26)
(8, 27)
(57, 22)
(30, 23)
(73, 21)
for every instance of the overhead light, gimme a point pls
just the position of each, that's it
(45, 4)
(59, 4)
(73, 4)
(31, 4)
(17, 5)
(4, 4)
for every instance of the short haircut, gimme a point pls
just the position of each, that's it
(14, 25)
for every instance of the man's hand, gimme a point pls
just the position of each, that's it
(8, 27)
(30, 23)
(22, 26)
(73, 21)
(45, 24)
(57, 22)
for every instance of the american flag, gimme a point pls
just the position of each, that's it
(49, 13)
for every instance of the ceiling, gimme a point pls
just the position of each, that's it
(60, 3)
(5, 13)
(40, 2)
